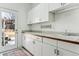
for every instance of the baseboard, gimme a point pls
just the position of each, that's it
(27, 51)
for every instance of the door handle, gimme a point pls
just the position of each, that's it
(2, 41)
(16, 31)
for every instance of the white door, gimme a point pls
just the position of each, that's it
(8, 28)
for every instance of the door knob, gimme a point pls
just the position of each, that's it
(16, 30)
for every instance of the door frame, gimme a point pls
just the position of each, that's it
(5, 48)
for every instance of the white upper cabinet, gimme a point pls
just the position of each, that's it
(38, 14)
(53, 6)
(30, 16)
(44, 12)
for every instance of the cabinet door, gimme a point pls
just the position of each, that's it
(53, 6)
(30, 17)
(36, 14)
(69, 46)
(44, 12)
(40, 13)
(28, 21)
(63, 52)
(37, 48)
(23, 40)
(49, 47)
(48, 50)
(28, 43)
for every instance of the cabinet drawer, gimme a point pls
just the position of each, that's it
(37, 38)
(69, 46)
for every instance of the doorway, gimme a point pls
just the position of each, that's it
(8, 26)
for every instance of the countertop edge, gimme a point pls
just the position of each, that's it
(54, 38)
(59, 39)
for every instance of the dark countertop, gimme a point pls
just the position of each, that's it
(56, 36)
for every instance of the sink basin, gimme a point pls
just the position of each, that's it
(71, 34)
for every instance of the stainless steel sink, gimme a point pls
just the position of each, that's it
(70, 34)
(73, 36)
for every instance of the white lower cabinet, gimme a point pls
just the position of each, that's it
(30, 46)
(49, 47)
(41, 46)
(63, 52)
(28, 42)
(69, 46)
(48, 50)
(38, 46)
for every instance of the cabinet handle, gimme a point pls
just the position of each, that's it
(33, 42)
(62, 4)
(38, 38)
(57, 52)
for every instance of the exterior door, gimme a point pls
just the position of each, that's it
(8, 26)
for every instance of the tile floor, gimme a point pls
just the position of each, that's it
(14, 52)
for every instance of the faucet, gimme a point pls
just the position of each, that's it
(66, 32)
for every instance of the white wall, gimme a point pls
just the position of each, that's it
(68, 21)
(37, 27)
(22, 16)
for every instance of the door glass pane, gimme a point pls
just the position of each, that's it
(8, 28)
